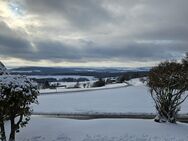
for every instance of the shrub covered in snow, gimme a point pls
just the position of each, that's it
(167, 83)
(16, 95)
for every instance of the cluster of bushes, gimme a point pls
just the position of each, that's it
(99, 83)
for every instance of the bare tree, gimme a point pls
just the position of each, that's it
(167, 83)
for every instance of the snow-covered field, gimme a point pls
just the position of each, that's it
(54, 129)
(132, 99)
(70, 85)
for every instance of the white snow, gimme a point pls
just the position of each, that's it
(54, 129)
(132, 99)
(136, 82)
(16, 83)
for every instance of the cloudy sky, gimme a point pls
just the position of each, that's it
(123, 33)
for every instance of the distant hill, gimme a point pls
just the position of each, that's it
(98, 72)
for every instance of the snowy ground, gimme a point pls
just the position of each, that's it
(132, 99)
(54, 129)
(70, 85)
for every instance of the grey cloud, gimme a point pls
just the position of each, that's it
(165, 33)
(138, 51)
(142, 30)
(153, 19)
(56, 51)
(80, 13)
(11, 43)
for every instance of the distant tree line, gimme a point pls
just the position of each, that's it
(102, 74)
(45, 82)
(131, 75)
(69, 79)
